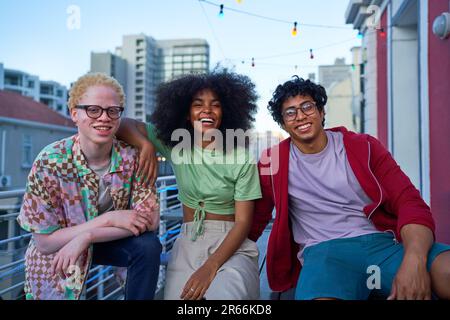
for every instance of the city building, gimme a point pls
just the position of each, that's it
(337, 79)
(55, 96)
(141, 63)
(50, 93)
(329, 74)
(111, 64)
(181, 56)
(406, 75)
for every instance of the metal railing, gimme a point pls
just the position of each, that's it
(104, 282)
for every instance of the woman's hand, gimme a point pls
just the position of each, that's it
(147, 170)
(130, 220)
(68, 255)
(195, 288)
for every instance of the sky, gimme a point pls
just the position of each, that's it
(39, 36)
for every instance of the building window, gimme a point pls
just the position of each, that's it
(139, 74)
(139, 42)
(27, 154)
(138, 82)
(30, 84)
(138, 98)
(59, 93)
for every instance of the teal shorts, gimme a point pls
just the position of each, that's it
(352, 268)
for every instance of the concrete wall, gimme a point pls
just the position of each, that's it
(405, 111)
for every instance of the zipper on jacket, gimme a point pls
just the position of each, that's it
(379, 187)
(393, 233)
(381, 197)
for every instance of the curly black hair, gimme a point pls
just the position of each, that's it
(236, 93)
(292, 88)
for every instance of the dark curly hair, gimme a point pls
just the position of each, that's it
(236, 93)
(292, 88)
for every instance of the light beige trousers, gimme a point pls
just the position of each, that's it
(237, 278)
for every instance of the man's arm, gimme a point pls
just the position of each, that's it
(412, 281)
(134, 133)
(128, 220)
(415, 226)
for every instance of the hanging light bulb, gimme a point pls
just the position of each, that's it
(239, 1)
(294, 30)
(311, 54)
(253, 62)
(382, 33)
(360, 35)
(221, 11)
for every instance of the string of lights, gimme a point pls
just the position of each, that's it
(295, 24)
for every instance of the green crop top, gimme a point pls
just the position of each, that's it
(210, 181)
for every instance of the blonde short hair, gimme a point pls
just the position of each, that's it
(93, 79)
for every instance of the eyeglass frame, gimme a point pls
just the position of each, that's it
(283, 114)
(86, 106)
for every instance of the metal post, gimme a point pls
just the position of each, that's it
(100, 288)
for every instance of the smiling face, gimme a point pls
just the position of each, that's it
(207, 109)
(99, 131)
(303, 129)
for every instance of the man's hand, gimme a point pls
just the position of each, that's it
(412, 281)
(199, 282)
(130, 220)
(147, 169)
(68, 255)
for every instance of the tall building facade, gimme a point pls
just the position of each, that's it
(111, 64)
(51, 93)
(145, 63)
(54, 95)
(181, 56)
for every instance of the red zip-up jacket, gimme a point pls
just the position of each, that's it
(395, 201)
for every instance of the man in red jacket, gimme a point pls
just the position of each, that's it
(346, 214)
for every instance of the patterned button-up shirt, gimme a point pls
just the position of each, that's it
(62, 191)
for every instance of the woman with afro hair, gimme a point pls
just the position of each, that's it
(212, 258)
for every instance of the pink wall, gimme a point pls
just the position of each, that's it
(382, 96)
(439, 92)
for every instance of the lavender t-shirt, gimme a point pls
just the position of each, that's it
(326, 200)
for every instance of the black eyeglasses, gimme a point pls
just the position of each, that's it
(96, 112)
(308, 108)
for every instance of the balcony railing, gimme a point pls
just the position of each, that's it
(104, 282)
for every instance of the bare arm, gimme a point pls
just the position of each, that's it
(202, 278)
(412, 280)
(134, 133)
(69, 254)
(129, 220)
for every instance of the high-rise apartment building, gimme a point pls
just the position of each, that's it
(150, 62)
(181, 56)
